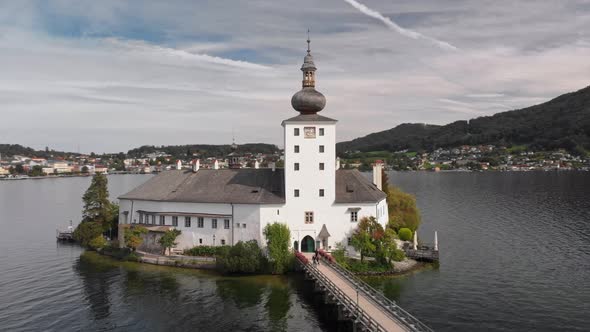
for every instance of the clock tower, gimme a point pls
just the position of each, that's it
(310, 155)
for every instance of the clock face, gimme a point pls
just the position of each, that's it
(309, 132)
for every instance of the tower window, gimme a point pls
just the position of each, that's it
(296, 131)
(309, 217)
(321, 166)
(296, 148)
(321, 149)
(296, 166)
(321, 192)
(296, 192)
(321, 131)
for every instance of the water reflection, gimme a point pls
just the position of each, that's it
(244, 292)
(278, 304)
(94, 275)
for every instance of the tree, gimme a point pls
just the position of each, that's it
(19, 169)
(278, 237)
(167, 240)
(366, 236)
(98, 242)
(97, 207)
(389, 249)
(133, 237)
(85, 169)
(402, 210)
(37, 170)
(86, 232)
(405, 234)
(384, 181)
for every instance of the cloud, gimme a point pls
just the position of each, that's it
(394, 26)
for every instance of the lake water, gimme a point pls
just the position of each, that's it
(515, 256)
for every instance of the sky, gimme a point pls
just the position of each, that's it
(108, 76)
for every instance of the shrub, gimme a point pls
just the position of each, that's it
(405, 234)
(167, 240)
(206, 251)
(98, 242)
(86, 232)
(398, 255)
(244, 257)
(133, 237)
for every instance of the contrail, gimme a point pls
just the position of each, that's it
(393, 26)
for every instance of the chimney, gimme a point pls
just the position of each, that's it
(216, 164)
(273, 166)
(337, 163)
(179, 164)
(196, 165)
(377, 169)
(256, 164)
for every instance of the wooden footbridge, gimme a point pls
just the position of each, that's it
(367, 308)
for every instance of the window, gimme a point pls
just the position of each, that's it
(354, 216)
(226, 224)
(296, 166)
(213, 223)
(309, 217)
(200, 222)
(141, 218)
(237, 225)
(174, 221)
(222, 242)
(162, 220)
(153, 219)
(321, 192)
(321, 131)
(243, 225)
(296, 193)
(321, 149)
(278, 212)
(321, 166)
(296, 148)
(187, 221)
(200, 241)
(349, 241)
(296, 131)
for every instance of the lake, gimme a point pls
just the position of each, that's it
(515, 255)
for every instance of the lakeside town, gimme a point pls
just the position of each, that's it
(463, 158)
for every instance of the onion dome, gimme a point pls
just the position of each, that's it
(308, 100)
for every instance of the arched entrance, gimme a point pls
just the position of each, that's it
(308, 244)
(296, 246)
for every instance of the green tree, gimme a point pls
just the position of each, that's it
(168, 239)
(365, 238)
(97, 207)
(278, 237)
(37, 171)
(85, 169)
(98, 242)
(19, 169)
(133, 237)
(402, 208)
(86, 232)
(389, 249)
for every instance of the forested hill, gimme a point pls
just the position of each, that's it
(563, 122)
(203, 150)
(17, 149)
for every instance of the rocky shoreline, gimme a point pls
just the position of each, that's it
(399, 268)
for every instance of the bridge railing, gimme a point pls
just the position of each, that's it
(361, 317)
(402, 316)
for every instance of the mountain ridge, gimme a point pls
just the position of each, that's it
(562, 122)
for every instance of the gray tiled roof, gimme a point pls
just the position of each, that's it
(310, 118)
(354, 187)
(245, 186)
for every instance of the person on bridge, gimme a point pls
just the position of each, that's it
(316, 256)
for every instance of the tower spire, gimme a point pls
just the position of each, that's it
(308, 42)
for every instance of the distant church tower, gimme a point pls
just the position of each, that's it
(310, 152)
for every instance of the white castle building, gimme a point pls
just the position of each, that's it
(320, 203)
